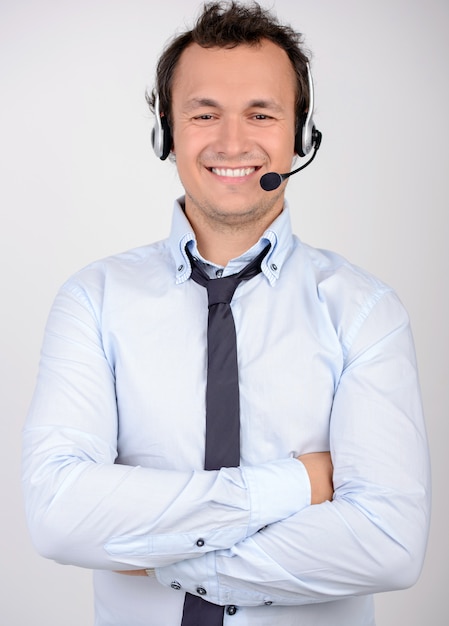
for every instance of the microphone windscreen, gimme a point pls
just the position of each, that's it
(270, 181)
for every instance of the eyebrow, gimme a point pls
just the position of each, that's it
(265, 104)
(197, 103)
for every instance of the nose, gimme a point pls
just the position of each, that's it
(232, 137)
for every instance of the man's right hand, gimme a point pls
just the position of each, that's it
(319, 467)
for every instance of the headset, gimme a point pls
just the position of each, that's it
(161, 134)
(306, 138)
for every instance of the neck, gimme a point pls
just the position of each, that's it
(219, 241)
(220, 248)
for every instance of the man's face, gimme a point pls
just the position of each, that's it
(233, 116)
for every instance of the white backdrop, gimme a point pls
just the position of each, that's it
(79, 182)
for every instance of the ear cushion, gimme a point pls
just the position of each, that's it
(161, 138)
(299, 144)
(167, 139)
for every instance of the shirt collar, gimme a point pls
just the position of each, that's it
(278, 234)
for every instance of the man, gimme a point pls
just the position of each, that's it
(114, 443)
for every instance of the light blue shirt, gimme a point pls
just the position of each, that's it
(114, 439)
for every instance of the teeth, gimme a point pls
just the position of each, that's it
(235, 173)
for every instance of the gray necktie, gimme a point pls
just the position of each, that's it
(222, 403)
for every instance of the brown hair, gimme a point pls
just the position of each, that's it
(226, 25)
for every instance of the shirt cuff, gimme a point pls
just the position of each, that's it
(277, 490)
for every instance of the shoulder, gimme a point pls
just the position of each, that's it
(335, 276)
(352, 297)
(122, 272)
(154, 256)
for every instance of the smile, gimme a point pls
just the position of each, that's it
(233, 173)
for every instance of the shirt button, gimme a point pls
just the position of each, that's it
(268, 603)
(175, 585)
(274, 267)
(180, 268)
(231, 609)
(201, 591)
(219, 273)
(200, 543)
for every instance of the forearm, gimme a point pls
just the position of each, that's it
(367, 540)
(318, 466)
(100, 515)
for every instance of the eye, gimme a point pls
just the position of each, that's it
(262, 117)
(205, 117)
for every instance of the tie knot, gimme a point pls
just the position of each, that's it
(221, 290)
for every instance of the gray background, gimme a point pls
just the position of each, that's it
(79, 182)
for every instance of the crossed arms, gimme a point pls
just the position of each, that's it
(86, 509)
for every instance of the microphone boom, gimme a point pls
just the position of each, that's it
(273, 180)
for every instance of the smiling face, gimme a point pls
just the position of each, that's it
(233, 118)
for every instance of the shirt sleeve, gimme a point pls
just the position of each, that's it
(85, 509)
(372, 536)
